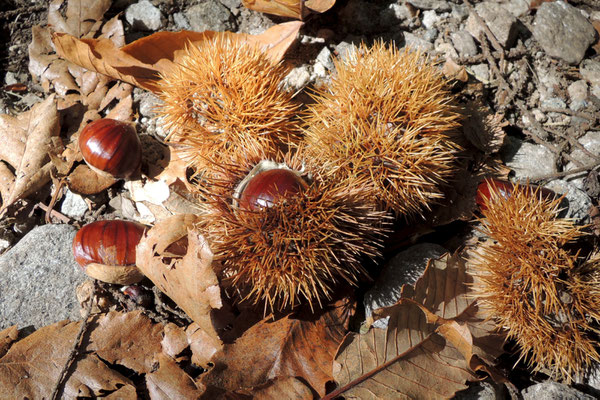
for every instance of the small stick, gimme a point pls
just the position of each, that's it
(565, 173)
(74, 349)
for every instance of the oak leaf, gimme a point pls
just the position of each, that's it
(28, 138)
(298, 9)
(178, 260)
(287, 347)
(142, 61)
(435, 340)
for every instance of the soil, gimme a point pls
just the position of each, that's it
(506, 81)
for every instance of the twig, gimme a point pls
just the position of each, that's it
(53, 213)
(565, 173)
(570, 112)
(497, 46)
(74, 350)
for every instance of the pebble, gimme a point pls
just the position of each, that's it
(590, 71)
(481, 72)
(553, 390)
(562, 31)
(502, 23)
(73, 205)
(518, 8)
(591, 142)
(436, 5)
(429, 19)
(39, 277)
(143, 16)
(297, 79)
(463, 43)
(416, 42)
(579, 202)
(527, 160)
(483, 391)
(325, 58)
(181, 22)
(209, 16)
(578, 93)
(345, 50)
(403, 269)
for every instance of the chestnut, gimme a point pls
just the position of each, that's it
(106, 250)
(505, 189)
(111, 147)
(269, 187)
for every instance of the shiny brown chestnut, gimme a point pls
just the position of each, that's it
(505, 189)
(270, 187)
(106, 250)
(111, 147)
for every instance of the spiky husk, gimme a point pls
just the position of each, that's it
(545, 296)
(298, 250)
(223, 99)
(386, 122)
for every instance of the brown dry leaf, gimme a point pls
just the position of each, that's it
(40, 357)
(178, 260)
(27, 141)
(596, 46)
(284, 348)
(202, 345)
(452, 70)
(283, 388)
(434, 341)
(84, 18)
(298, 9)
(85, 181)
(128, 340)
(141, 62)
(7, 337)
(169, 381)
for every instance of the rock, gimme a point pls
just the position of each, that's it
(143, 16)
(527, 160)
(297, 79)
(483, 391)
(463, 43)
(554, 391)
(579, 202)
(562, 31)
(10, 78)
(417, 43)
(403, 269)
(210, 15)
(39, 277)
(325, 58)
(502, 23)
(181, 22)
(481, 72)
(553, 102)
(517, 8)
(345, 50)
(436, 5)
(429, 19)
(578, 93)
(590, 71)
(73, 205)
(591, 142)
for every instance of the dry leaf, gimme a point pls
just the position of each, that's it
(169, 381)
(284, 348)
(28, 139)
(41, 356)
(85, 181)
(202, 345)
(185, 273)
(7, 337)
(283, 388)
(129, 340)
(484, 129)
(84, 18)
(298, 9)
(141, 61)
(434, 341)
(452, 70)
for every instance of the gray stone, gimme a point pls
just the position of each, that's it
(430, 35)
(231, 4)
(528, 160)
(429, 19)
(345, 50)
(181, 21)
(482, 391)
(325, 58)
(459, 11)
(553, 391)
(147, 102)
(502, 23)
(591, 142)
(590, 71)
(403, 269)
(253, 23)
(517, 8)
(562, 31)
(297, 79)
(144, 16)
(39, 277)
(209, 15)
(436, 5)
(578, 93)
(73, 205)
(10, 78)
(463, 43)
(579, 202)
(481, 72)
(415, 42)
(553, 102)
(400, 11)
